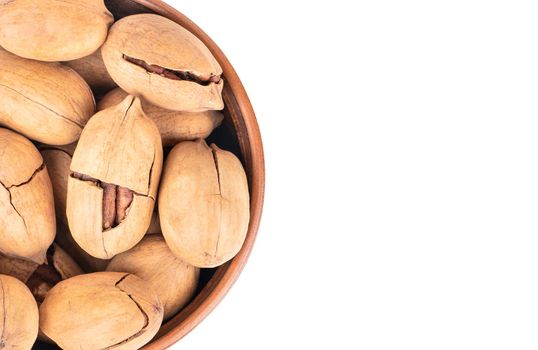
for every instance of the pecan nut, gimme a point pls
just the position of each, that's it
(115, 169)
(27, 222)
(52, 30)
(114, 305)
(203, 204)
(153, 57)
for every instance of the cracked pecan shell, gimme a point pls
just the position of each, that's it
(173, 280)
(115, 174)
(27, 222)
(151, 56)
(203, 204)
(46, 102)
(174, 126)
(102, 310)
(58, 162)
(53, 30)
(19, 314)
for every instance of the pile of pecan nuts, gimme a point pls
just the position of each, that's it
(108, 210)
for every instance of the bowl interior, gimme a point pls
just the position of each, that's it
(239, 134)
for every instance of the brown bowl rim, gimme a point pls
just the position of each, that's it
(226, 275)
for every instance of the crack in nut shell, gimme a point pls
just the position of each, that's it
(109, 205)
(153, 57)
(121, 147)
(27, 215)
(90, 304)
(204, 204)
(19, 314)
(124, 198)
(173, 280)
(116, 201)
(174, 74)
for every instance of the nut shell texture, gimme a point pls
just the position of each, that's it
(203, 204)
(46, 102)
(93, 70)
(58, 165)
(19, 317)
(58, 161)
(173, 280)
(53, 30)
(159, 41)
(27, 222)
(119, 146)
(100, 311)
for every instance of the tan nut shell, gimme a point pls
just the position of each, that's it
(174, 126)
(101, 310)
(119, 146)
(203, 204)
(174, 281)
(159, 41)
(93, 70)
(52, 30)
(58, 161)
(19, 316)
(46, 102)
(27, 223)
(58, 165)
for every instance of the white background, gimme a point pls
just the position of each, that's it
(402, 180)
